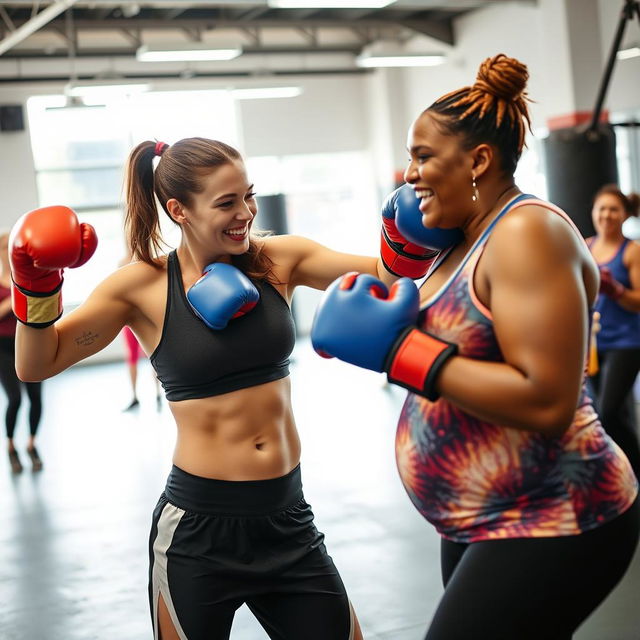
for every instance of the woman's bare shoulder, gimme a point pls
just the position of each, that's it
(133, 277)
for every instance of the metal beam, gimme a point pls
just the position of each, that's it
(176, 76)
(25, 30)
(6, 19)
(128, 52)
(442, 31)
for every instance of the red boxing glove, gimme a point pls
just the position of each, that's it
(609, 285)
(42, 243)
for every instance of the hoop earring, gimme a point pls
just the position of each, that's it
(476, 193)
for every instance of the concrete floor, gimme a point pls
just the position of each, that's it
(73, 540)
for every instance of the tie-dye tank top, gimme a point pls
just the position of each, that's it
(475, 480)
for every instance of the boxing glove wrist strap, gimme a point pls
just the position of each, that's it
(401, 263)
(415, 360)
(34, 308)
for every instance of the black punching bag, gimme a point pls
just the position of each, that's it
(577, 163)
(272, 214)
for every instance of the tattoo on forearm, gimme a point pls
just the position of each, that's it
(86, 339)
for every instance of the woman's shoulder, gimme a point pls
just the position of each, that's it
(537, 229)
(134, 276)
(632, 250)
(536, 216)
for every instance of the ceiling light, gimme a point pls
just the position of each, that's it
(253, 93)
(190, 53)
(329, 4)
(105, 88)
(625, 54)
(71, 102)
(399, 60)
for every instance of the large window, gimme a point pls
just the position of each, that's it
(80, 153)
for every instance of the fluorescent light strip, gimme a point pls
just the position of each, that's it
(252, 93)
(145, 54)
(113, 89)
(329, 4)
(625, 54)
(399, 61)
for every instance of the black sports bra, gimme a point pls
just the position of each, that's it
(193, 361)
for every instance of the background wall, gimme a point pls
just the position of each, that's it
(372, 112)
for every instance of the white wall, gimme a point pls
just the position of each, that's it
(17, 173)
(17, 177)
(345, 113)
(328, 116)
(510, 28)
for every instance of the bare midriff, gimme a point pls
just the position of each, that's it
(249, 434)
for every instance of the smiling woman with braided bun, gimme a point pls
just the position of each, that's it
(498, 444)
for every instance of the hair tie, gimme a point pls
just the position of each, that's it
(160, 148)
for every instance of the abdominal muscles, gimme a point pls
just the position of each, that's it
(248, 434)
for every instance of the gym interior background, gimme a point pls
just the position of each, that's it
(323, 130)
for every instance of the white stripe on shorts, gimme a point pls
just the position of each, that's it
(167, 525)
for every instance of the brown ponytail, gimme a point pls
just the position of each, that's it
(493, 110)
(178, 175)
(141, 221)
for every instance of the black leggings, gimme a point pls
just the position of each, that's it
(614, 400)
(531, 588)
(12, 386)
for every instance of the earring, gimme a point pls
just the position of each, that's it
(476, 193)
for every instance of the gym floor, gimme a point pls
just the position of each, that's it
(73, 540)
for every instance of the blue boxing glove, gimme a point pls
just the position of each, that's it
(223, 292)
(361, 322)
(399, 256)
(409, 223)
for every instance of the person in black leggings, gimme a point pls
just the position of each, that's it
(8, 377)
(618, 340)
(561, 581)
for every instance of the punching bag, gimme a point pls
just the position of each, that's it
(272, 216)
(577, 162)
(272, 213)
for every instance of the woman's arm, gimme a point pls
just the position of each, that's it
(630, 298)
(311, 264)
(534, 275)
(42, 353)
(314, 265)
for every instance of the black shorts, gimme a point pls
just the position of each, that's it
(217, 544)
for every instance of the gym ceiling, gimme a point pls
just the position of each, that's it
(44, 41)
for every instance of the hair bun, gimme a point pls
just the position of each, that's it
(502, 77)
(634, 204)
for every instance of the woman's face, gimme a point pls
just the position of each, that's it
(220, 217)
(440, 171)
(608, 214)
